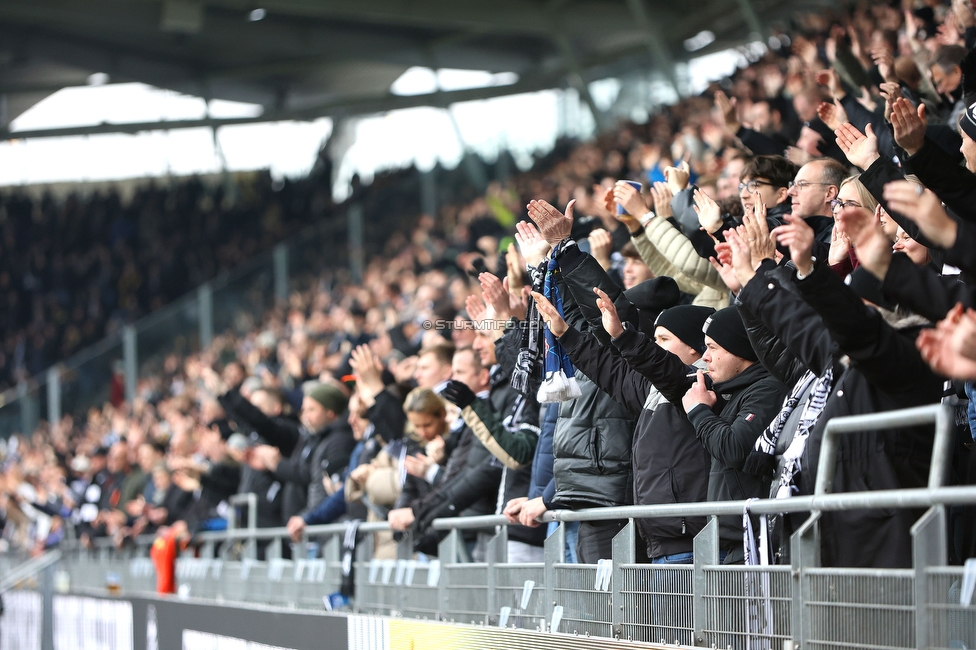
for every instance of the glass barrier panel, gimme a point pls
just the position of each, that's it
(241, 298)
(93, 378)
(174, 330)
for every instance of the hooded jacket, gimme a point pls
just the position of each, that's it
(746, 405)
(670, 465)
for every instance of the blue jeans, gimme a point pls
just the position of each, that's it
(572, 528)
(676, 558)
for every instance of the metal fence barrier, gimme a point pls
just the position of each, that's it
(802, 605)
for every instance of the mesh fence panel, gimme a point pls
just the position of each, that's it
(585, 609)
(467, 592)
(861, 608)
(748, 607)
(951, 624)
(418, 599)
(657, 604)
(510, 582)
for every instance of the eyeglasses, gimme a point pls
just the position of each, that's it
(837, 204)
(802, 185)
(753, 185)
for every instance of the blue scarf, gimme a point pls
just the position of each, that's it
(559, 384)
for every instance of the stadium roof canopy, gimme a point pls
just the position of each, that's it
(303, 59)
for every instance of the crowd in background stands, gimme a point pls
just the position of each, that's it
(801, 249)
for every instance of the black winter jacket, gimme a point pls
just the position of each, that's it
(746, 404)
(325, 453)
(289, 498)
(670, 465)
(885, 372)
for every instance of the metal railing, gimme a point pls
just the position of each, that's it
(701, 604)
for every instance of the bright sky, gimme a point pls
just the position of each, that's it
(522, 123)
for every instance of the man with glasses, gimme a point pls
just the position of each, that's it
(811, 192)
(766, 179)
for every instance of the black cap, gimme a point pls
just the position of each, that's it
(686, 322)
(725, 328)
(651, 297)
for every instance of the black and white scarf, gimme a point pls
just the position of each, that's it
(761, 461)
(529, 368)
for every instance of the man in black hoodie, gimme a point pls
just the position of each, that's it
(670, 465)
(728, 413)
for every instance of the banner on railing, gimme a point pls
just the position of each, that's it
(20, 625)
(92, 624)
(196, 640)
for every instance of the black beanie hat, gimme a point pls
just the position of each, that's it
(686, 322)
(725, 328)
(968, 121)
(651, 297)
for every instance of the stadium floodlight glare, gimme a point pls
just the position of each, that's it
(256, 15)
(699, 40)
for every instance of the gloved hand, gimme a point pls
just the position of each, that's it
(457, 393)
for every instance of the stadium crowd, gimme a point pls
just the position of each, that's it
(800, 249)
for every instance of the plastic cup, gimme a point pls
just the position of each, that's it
(636, 186)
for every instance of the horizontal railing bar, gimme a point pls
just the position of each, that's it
(902, 418)
(906, 498)
(29, 569)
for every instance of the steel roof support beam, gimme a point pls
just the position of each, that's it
(752, 18)
(655, 42)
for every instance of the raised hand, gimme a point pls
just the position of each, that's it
(627, 196)
(924, 208)
(367, 368)
(908, 125)
(840, 246)
(726, 106)
(514, 266)
(661, 193)
(831, 114)
(950, 348)
(885, 61)
(722, 262)
(741, 255)
(831, 80)
(476, 308)
(530, 241)
(496, 296)
(873, 248)
(601, 246)
(212, 381)
(554, 225)
(611, 321)
(860, 148)
(678, 176)
(550, 315)
(709, 214)
(757, 232)
(798, 236)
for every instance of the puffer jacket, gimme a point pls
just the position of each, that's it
(591, 446)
